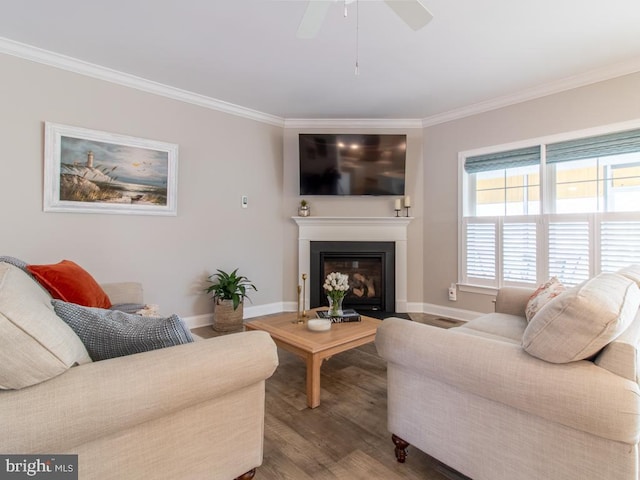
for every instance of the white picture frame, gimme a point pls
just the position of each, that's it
(89, 171)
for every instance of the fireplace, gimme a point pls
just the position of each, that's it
(371, 270)
(355, 229)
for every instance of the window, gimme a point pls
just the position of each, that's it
(567, 208)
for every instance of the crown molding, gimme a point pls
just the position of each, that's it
(404, 123)
(64, 62)
(569, 83)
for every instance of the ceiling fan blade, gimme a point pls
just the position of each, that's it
(412, 12)
(313, 17)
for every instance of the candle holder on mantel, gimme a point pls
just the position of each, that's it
(397, 206)
(407, 205)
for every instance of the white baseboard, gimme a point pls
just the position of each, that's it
(197, 321)
(252, 311)
(412, 307)
(260, 310)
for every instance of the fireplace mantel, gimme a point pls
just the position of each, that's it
(395, 221)
(374, 229)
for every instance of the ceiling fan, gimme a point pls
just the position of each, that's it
(412, 12)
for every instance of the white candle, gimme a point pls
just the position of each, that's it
(407, 201)
(398, 204)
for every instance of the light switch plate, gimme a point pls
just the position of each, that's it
(245, 201)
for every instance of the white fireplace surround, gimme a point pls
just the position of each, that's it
(356, 229)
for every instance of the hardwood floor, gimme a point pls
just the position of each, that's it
(346, 436)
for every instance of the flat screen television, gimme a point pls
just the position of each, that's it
(352, 164)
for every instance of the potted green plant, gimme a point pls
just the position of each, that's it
(229, 291)
(304, 210)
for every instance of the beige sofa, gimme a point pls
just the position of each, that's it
(190, 411)
(475, 399)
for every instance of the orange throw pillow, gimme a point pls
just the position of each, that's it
(68, 281)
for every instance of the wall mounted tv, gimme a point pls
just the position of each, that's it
(352, 164)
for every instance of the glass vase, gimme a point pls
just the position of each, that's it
(335, 306)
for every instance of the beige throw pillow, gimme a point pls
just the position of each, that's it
(35, 344)
(580, 322)
(632, 272)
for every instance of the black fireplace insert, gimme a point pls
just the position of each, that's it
(371, 270)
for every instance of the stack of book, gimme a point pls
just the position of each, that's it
(348, 315)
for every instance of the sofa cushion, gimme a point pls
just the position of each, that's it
(111, 333)
(35, 345)
(543, 294)
(579, 322)
(68, 281)
(499, 326)
(124, 292)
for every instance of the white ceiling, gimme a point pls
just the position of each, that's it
(245, 52)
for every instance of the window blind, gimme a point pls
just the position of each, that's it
(569, 251)
(481, 250)
(593, 147)
(619, 244)
(521, 157)
(519, 252)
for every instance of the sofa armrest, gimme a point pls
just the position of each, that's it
(621, 355)
(98, 399)
(513, 300)
(579, 395)
(124, 292)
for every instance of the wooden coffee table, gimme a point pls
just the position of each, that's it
(314, 347)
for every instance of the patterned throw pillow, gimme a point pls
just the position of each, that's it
(543, 294)
(111, 333)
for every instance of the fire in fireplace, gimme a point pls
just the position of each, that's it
(371, 270)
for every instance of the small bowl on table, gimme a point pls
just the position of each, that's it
(319, 324)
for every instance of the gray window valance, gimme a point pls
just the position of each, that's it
(520, 157)
(593, 147)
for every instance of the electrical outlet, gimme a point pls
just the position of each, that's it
(244, 201)
(453, 292)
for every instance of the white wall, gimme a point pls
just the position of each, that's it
(364, 206)
(221, 157)
(613, 101)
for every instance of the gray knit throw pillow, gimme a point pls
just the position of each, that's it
(110, 333)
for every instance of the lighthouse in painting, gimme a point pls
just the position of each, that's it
(90, 159)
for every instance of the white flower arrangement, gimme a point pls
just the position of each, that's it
(336, 285)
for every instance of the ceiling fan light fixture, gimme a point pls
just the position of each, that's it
(313, 18)
(411, 12)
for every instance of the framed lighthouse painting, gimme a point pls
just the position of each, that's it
(88, 171)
